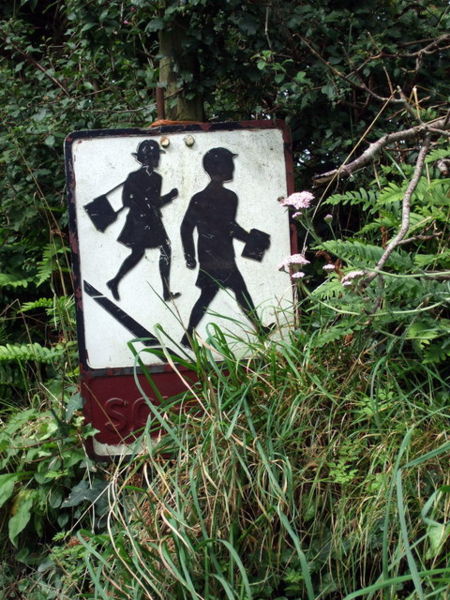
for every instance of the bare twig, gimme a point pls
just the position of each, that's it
(430, 48)
(347, 78)
(406, 210)
(375, 147)
(38, 66)
(266, 27)
(440, 131)
(419, 238)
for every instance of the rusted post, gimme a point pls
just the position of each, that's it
(160, 108)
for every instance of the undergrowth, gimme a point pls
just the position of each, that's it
(306, 474)
(316, 468)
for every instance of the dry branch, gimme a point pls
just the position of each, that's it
(406, 210)
(375, 147)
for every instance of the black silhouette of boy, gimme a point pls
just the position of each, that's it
(213, 212)
(143, 226)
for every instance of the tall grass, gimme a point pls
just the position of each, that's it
(302, 472)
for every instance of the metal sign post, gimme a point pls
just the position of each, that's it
(172, 228)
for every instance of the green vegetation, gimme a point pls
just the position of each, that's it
(318, 467)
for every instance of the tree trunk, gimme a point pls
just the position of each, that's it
(175, 59)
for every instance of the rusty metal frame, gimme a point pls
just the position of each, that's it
(118, 384)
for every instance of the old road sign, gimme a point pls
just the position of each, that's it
(173, 229)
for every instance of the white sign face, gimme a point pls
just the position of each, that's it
(178, 237)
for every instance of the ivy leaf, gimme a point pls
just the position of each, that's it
(74, 403)
(83, 492)
(155, 25)
(328, 90)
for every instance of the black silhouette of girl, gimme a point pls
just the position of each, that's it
(213, 212)
(143, 226)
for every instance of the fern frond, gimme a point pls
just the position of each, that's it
(367, 198)
(391, 193)
(49, 263)
(26, 352)
(14, 281)
(425, 260)
(434, 213)
(336, 332)
(425, 330)
(363, 255)
(434, 192)
(39, 303)
(409, 292)
(330, 288)
(386, 220)
(437, 154)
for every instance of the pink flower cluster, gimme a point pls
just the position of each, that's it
(294, 259)
(329, 267)
(299, 201)
(347, 280)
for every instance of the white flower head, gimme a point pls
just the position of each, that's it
(294, 259)
(329, 267)
(298, 259)
(298, 200)
(347, 280)
(328, 218)
(298, 275)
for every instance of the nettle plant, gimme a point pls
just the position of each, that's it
(390, 276)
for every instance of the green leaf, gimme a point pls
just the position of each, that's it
(74, 403)
(88, 26)
(155, 25)
(83, 492)
(328, 90)
(22, 514)
(437, 535)
(7, 482)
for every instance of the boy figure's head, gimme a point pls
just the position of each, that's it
(218, 163)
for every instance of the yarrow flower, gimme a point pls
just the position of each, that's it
(298, 200)
(298, 275)
(329, 267)
(328, 218)
(298, 259)
(294, 259)
(348, 279)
